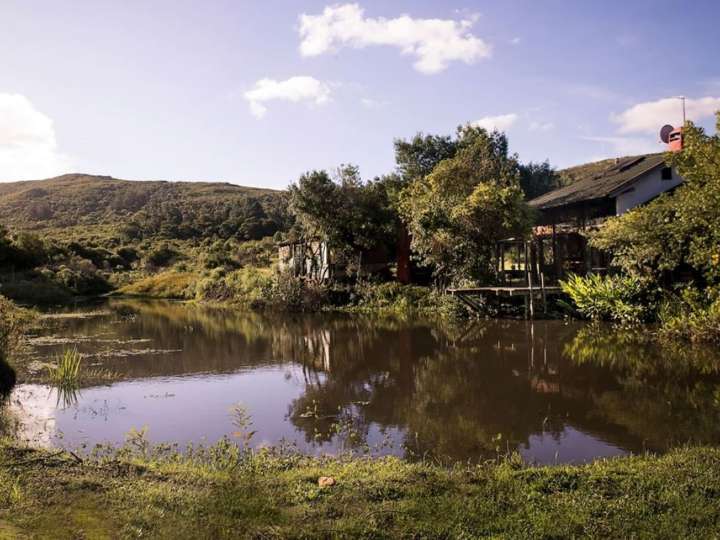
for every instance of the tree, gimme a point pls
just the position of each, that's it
(351, 215)
(458, 212)
(418, 157)
(537, 179)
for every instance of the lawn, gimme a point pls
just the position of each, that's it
(222, 493)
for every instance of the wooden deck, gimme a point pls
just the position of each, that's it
(509, 290)
(469, 295)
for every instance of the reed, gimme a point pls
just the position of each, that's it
(66, 372)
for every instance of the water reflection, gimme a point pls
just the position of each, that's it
(553, 391)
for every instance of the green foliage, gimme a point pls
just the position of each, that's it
(351, 215)
(418, 157)
(168, 284)
(621, 299)
(13, 323)
(286, 292)
(537, 179)
(407, 299)
(161, 256)
(642, 241)
(458, 212)
(691, 316)
(246, 286)
(137, 210)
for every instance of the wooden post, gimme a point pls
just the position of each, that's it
(528, 270)
(542, 291)
(502, 262)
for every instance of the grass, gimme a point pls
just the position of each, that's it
(222, 493)
(169, 284)
(66, 372)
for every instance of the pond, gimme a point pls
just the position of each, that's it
(555, 392)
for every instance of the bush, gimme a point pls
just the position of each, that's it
(620, 299)
(690, 317)
(393, 296)
(178, 285)
(246, 286)
(13, 322)
(289, 293)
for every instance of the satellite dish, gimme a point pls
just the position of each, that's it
(665, 133)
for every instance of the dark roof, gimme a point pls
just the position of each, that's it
(598, 185)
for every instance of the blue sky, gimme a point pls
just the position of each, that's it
(174, 89)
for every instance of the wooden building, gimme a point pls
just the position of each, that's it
(566, 215)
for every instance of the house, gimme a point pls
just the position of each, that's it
(564, 216)
(309, 259)
(316, 261)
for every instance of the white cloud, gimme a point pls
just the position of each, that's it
(626, 146)
(515, 41)
(370, 103)
(294, 89)
(541, 126)
(433, 42)
(501, 123)
(28, 148)
(650, 116)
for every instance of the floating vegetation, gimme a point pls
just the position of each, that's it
(76, 315)
(51, 341)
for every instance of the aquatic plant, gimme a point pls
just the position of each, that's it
(66, 372)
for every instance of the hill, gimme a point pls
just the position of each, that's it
(143, 208)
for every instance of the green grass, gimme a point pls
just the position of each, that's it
(169, 284)
(65, 373)
(221, 493)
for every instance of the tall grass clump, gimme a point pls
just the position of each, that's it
(620, 299)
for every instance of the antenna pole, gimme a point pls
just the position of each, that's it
(683, 100)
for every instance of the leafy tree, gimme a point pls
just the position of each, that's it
(537, 179)
(418, 157)
(458, 212)
(350, 214)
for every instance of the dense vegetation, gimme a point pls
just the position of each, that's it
(144, 209)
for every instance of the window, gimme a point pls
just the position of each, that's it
(666, 173)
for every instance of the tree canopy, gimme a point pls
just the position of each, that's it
(468, 202)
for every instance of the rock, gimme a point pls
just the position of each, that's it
(326, 481)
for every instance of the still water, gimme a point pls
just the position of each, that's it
(553, 391)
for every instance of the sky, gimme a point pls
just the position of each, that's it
(256, 93)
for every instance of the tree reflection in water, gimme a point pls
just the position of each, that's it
(455, 392)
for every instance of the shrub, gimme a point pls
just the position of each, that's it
(13, 322)
(179, 285)
(621, 299)
(393, 296)
(289, 293)
(690, 317)
(161, 256)
(246, 286)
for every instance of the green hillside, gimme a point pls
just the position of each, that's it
(143, 208)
